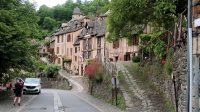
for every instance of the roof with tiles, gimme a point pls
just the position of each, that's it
(72, 26)
(94, 28)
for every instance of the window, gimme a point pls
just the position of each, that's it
(135, 40)
(75, 49)
(43, 50)
(90, 43)
(98, 42)
(98, 52)
(75, 58)
(62, 38)
(84, 45)
(116, 44)
(57, 50)
(69, 38)
(58, 39)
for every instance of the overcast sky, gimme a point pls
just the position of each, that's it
(49, 3)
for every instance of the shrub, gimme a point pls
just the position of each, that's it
(51, 69)
(94, 69)
(136, 59)
(99, 78)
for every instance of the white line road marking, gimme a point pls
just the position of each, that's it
(25, 104)
(58, 107)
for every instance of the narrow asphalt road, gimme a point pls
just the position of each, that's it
(52, 100)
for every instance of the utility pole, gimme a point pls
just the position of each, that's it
(189, 57)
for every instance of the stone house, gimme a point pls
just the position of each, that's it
(91, 42)
(65, 51)
(52, 56)
(82, 39)
(44, 48)
(122, 50)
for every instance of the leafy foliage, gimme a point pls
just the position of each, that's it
(50, 18)
(136, 59)
(129, 17)
(151, 43)
(49, 23)
(94, 70)
(168, 67)
(51, 69)
(18, 25)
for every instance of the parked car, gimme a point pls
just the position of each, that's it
(32, 85)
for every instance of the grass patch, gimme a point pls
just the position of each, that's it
(123, 82)
(140, 74)
(169, 106)
(104, 91)
(120, 102)
(145, 75)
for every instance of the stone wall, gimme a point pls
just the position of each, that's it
(179, 72)
(173, 88)
(162, 82)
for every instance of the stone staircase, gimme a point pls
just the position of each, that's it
(136, 99)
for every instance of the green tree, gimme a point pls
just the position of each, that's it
(129, 17)
(63, 13)
(49, 23)
(95, 7)
(43, 12)
(18, 25)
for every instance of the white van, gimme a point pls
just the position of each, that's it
(32, 85)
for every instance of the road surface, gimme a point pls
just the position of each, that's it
(51, 100)
(54, 100)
